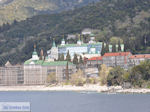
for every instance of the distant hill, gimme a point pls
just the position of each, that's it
(21, 9)
(4, 2)
(127, 19)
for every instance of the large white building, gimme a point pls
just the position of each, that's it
(87, 31)
(83, 49)
(11, 75)
(53, 52)
(137, 59)
(37, 70)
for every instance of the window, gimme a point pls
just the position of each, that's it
(51, 71)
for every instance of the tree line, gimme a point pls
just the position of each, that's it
(113, 18)
(75, 60)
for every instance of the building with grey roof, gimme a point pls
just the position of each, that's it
(11, 75)
(36, 71)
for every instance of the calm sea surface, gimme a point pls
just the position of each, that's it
(80, 102)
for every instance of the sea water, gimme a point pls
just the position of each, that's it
(80, 101)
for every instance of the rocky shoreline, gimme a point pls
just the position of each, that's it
(90, 88)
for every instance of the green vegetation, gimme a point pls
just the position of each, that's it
(115, 76)
(81, 61)
(11, 10)
(115, 40)
(103, 74)
(128, 20)
(107, 48)
(114, 48)
(51, 78)
(103, 49)
(75, 59)
(68, 57)
(67, 72)
(78, 78)
(138, 76)
(62, 58)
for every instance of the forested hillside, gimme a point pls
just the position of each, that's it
(126, 19)
(21, 9)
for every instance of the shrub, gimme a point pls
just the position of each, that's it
(51, 78)
(78, 78)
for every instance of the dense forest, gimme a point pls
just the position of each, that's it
(137, 76)
(128, 20)
(22, 9)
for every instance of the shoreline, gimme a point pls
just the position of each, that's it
(85, 88)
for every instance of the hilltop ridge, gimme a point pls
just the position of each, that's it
(125, 19)
(11, 10)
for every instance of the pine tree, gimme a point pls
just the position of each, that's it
(41, 54)
(67, 72)
(103, 49)
(59, 57)
(107, 48)
(114, 48)
(80, 60)
(62, 57)
(75, 59)
(68, 57)
(119, 46)
(125, 47)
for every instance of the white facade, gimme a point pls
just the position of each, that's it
(63, 42)
(35, 57)
(53, 53)
(77, 50)
(137, 59)
(87, 31)
(92, 40)
(33, 75)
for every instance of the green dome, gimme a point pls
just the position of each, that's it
(46, 58)
(34, 53)
(54, 45)
(92, 35)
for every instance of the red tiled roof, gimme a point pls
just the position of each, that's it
(140, 56)
(95, 58)
(117, 54)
